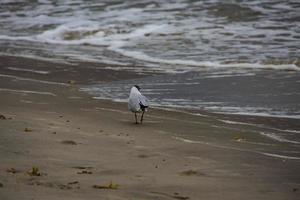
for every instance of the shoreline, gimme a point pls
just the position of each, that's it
(97, 73)
(78, 142)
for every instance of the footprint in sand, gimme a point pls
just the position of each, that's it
(85, 172)
(176, 195)
(68, 186)
(2, 117)
(12, 170)
(80, 167)
(69, 142)
(192, 172)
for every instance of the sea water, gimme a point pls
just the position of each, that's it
(238, 57)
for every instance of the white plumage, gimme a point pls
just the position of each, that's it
(137, 102)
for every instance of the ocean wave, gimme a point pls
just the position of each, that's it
(87, 32)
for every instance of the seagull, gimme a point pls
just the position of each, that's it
(137, 102)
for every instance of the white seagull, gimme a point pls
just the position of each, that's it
(137, 102)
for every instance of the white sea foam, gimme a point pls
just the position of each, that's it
(27, 92)
(82, 32)
(234, 122)
(237, 149)
(32, 80)
(229, 75)
(284, 130)
(191, 64)
(251, 111)
(28, 70)
(265, 114)
(281, 156)
(290, 131)
(36, 57)
(278, 138)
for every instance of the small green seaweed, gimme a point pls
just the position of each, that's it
(239, 138)
(189, 172)
(34, 172)
(110, 186)
(28, 130)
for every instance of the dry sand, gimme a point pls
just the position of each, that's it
(89, 149)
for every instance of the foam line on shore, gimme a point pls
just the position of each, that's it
(258, 114)
(234, 122)
(278, 138)
(28, 70)
(36, 57)
(236, 149)
(281, 156)
(33, 80)
(27, 92)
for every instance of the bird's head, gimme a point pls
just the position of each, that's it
(137, 87)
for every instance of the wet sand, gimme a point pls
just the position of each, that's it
(82, 148)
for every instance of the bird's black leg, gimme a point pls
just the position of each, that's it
(135, 118)
(142, 116)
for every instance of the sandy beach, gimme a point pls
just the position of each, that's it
(59, 143)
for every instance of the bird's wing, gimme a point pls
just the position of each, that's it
(143, 100)
(134, 100)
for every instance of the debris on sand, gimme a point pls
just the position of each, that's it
(64, 187)
(180, 197)
(84, 172)
(12, 170)
(143, 156)
(239, 138)
(189, 172)
(2, 117)
(71, 82)
(192, 172)
(1, 185)
(70, 142)
(176, 195)
(73, 183)
(81, 167)
(34, 172)
(28, 130)
(110, 186)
